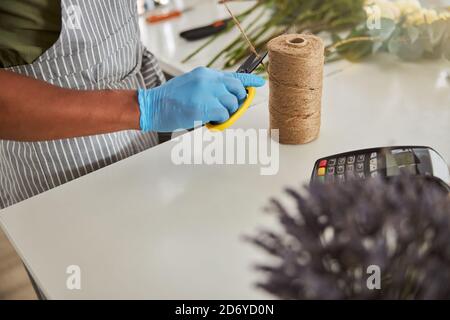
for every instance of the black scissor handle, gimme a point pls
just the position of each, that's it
(205, 31)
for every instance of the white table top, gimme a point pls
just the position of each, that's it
(146, 228)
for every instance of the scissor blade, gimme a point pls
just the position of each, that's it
(251, 63)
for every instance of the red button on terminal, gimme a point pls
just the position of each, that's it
(322, 163)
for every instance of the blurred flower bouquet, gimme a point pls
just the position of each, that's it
(402, 28)
(356, 28)
(334, 236)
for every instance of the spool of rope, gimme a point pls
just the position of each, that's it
(295, 79)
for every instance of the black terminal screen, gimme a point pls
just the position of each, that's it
(412, 161)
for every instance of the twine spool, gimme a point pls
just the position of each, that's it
(295, 80)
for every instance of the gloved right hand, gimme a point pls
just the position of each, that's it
(203, 94)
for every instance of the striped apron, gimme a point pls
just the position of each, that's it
(99, 48)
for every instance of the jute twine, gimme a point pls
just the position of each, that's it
(295, 80)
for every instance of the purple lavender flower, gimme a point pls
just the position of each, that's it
(337, 231)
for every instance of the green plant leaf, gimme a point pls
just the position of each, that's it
(446, 48)
(355, 51)
(402, 46)
(387, 27)
(413, 33)
(334, 16)
(335, 37)
(436, 30)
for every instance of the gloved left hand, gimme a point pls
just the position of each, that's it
(203, 94)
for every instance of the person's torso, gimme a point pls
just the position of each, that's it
(27, 29)
(98, 48)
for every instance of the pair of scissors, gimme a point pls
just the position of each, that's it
(249, 65)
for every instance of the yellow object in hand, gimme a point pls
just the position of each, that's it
(235, 116)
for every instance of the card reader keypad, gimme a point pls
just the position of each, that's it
(342, 168)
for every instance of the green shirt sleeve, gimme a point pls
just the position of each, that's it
(27, 29)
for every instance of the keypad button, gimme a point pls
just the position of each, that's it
(351, 159)
(373, 155)
(361, 175)
(350, 175)
(374, 174)
(373, 165)
(331, 170)
(321, 179)
(340, 169)
(350, 168)
(323, 163)
(321, 172)
(341, 161)
(360, 167)
(340, 178)
(360, 158)
(330, 178)
(332, 162)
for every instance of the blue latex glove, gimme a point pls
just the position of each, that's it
(203, 94)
